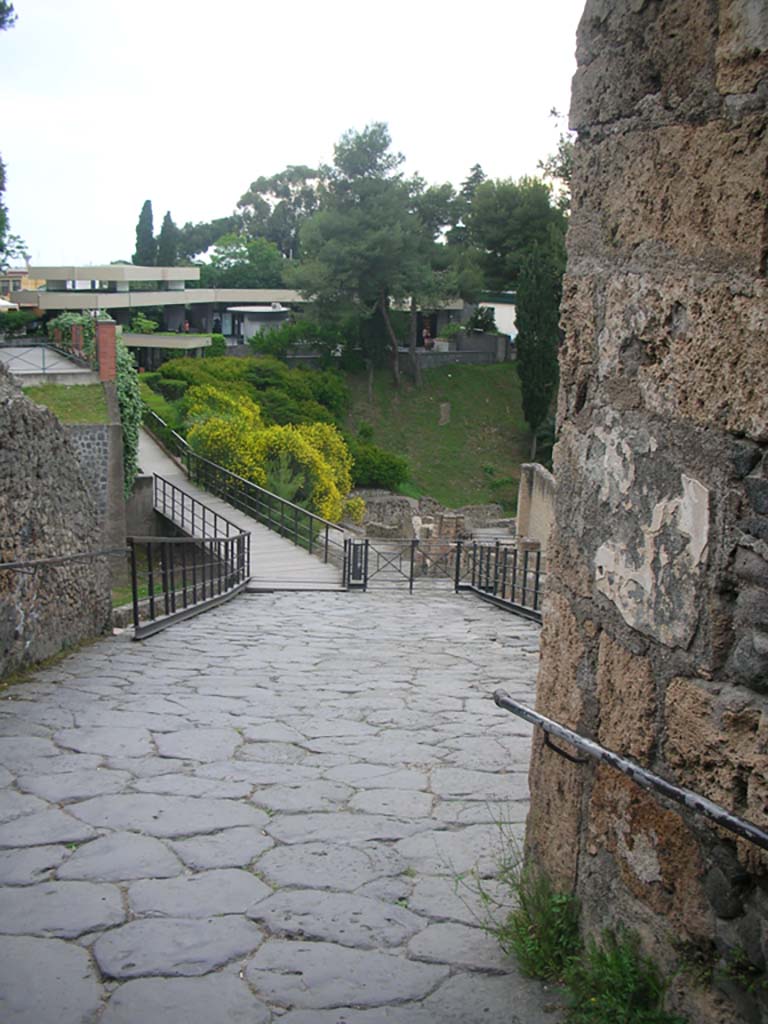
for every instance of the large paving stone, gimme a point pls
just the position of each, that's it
(226, 891)
(337, 917)
(446, 898)
(42, 829)
(193, 785)
(476, 847)
(199, 744)
(15, 805)
(273, 753)
(60, 909)
(170, 946)
(217, 998)
(231, 848)
(116, 741)
(311, 796)
(460, 782)
(459, 946)
(378, 776)
(509, 999)
(30, 865)
(166, 816)
(340, 827)
(258, 774)
(5, 777)
(119, 857)
(46, 981)
(15, 751)
(328, 866)
(400, 803)
(59, 787)
(317, 975)
(409, 1013)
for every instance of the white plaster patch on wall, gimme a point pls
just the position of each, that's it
(654, 588)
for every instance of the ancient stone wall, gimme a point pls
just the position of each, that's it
(46, 511)
(656, 633)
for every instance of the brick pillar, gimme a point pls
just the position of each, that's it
(106, 350)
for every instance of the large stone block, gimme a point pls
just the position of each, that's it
(715, 742)
(742, 45)
(656, 854)
(643, 60)
(558, 694)
(553, 830)
(627, 699)
(690, 193)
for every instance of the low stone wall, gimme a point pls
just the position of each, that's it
(535, 504)
(46, 511)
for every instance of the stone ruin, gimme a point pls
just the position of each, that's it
(655, 638)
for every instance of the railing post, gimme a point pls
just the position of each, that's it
(496, 569)
(151, 580)
(134, 584)
(365, 564)
(474, 563)
(536, 581)
(457, 571)
(525, 577)
(414, 545)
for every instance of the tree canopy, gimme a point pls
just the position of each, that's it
(7, 15)
(237, 262)
(275, 207)
(505, 220)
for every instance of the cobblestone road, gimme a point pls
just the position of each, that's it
(261, 815)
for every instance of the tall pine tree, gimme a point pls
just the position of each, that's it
(146, 246)
(167, 243)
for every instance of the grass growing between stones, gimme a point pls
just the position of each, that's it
(606, 982)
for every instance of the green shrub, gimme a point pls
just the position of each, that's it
(483, 319)
(150, 378)
(451, 330)
(170, 388)
(141, 324)
(373, 467)
(218, 347)
(16, 321)
(613, 982)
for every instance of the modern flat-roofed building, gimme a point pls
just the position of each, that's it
(122, 288)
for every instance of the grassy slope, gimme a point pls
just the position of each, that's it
(74, 403)
(484, 443)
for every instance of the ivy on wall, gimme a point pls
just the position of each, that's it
(129, 400)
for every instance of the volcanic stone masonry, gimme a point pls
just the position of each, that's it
(656, 634)
(46, 511)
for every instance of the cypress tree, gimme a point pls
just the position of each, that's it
(167, 243)
(146, 247)
(539, 290)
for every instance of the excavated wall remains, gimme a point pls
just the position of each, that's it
(656, 634)
(46, 511)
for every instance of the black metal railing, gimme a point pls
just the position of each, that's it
(642, 776)
(512, 578)
(173, 578)
(305, 529)
(33, 356)
(499, 572)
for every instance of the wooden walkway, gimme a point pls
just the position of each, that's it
(276, 563)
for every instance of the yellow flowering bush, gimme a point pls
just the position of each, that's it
(230, 443)
(354, 509)
(287, 444)
(331, 445)
(204, 401)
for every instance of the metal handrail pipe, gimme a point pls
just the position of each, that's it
(641, 776)
(187, 540)
(61, 559)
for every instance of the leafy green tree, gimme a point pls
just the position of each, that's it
(146, 246)
(365, 246)
(539, 290)
(237, 262)
(505, 221)
(7, 15)
(198, 238)
(558, 166)
(275, 208)
(167, 243)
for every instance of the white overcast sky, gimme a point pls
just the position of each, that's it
(106, 103)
